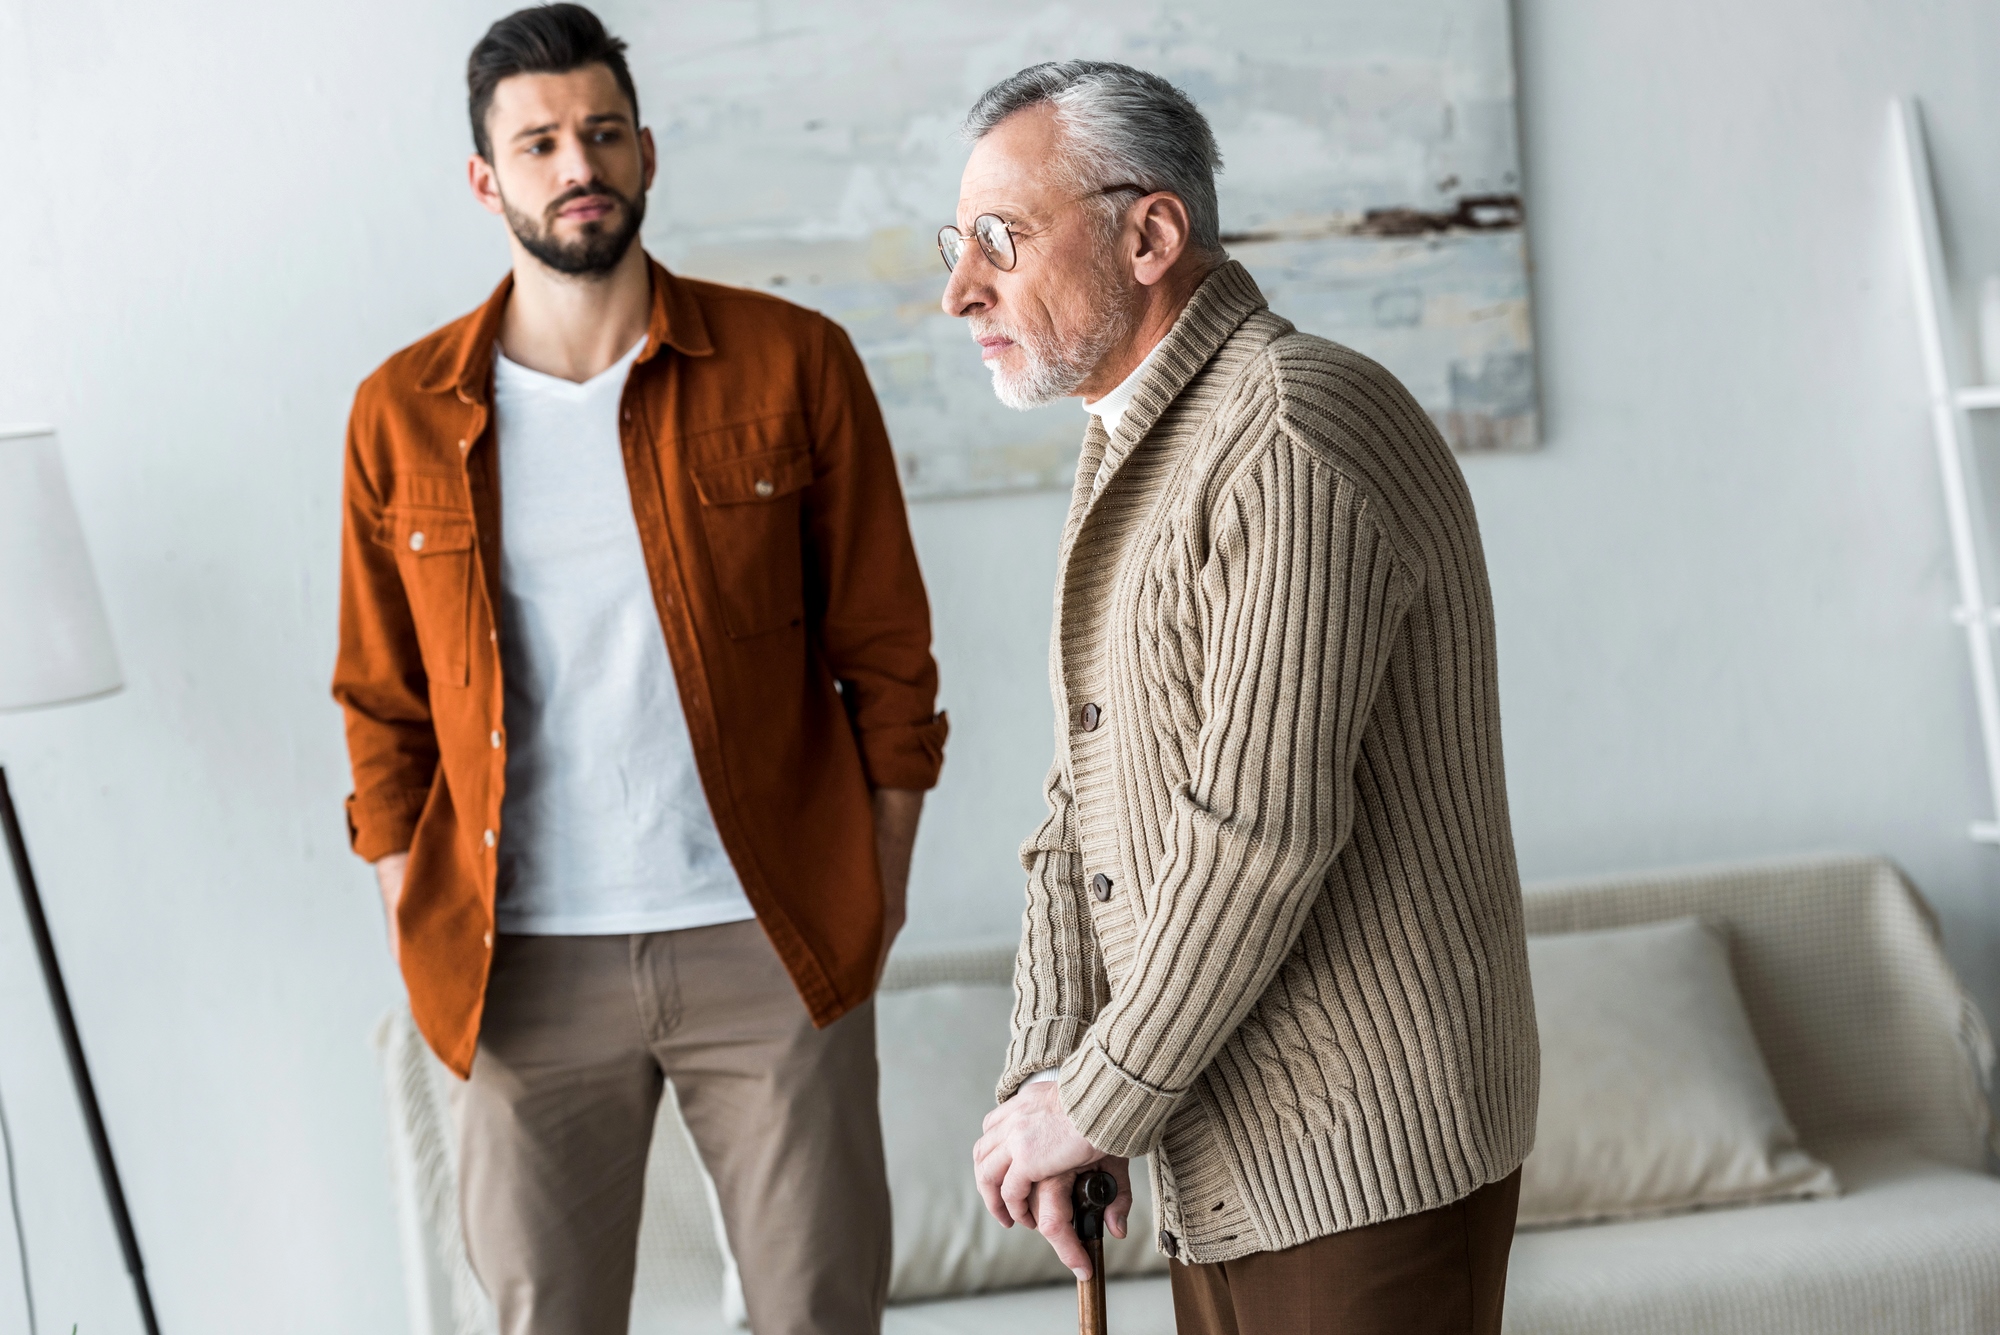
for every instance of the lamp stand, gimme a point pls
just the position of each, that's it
(79, 1069)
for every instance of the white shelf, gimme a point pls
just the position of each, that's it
(1967, 522)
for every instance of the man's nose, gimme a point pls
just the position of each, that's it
(963, 293)
(573, 162)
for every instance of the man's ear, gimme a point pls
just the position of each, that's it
(649, 160)
(1164, 229)
(485, 185)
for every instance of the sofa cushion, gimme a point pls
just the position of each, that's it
(1913, 1246)
(940, 1049)
(1855, 1008)
(1859, 1016)
(1654, 1096)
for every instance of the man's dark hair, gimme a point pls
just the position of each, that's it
(547, 39)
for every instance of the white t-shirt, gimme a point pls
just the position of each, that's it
(605, 828)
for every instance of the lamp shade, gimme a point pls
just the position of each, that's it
(55, 644)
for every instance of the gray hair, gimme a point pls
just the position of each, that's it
(1122, 125)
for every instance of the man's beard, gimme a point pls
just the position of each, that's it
(1057, 365)
(597, 251)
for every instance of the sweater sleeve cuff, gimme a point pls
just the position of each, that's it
(1116, 1113)
(1039, 1047)
(384, 821)
(906, 755)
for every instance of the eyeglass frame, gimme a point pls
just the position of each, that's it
(1007, 228)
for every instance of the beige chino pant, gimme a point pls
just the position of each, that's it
(579, 1036)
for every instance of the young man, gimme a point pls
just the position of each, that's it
(635, 660)
(1274, 932)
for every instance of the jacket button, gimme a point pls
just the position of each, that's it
(1169, 1244)
(416, 542)
(489, 940)
(496, 739)
(1089, 717)
(490, 840)
(1100, 885)
(764, 487)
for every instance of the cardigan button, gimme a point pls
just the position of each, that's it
(1089, 717)
(1100, 885)
(1169, 1244)
(416, 542)
(764, 487)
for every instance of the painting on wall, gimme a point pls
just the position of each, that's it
(1371, 183)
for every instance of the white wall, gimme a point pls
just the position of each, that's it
(1721, 588)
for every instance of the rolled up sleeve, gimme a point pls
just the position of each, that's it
(867, 593)
(379, 678)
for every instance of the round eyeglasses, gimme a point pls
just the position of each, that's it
(995, 238)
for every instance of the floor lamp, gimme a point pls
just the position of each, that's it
(55, 648)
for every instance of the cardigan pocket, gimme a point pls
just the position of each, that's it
(433, 550)
(752, 513)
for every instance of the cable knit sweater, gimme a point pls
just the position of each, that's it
(1274, 931)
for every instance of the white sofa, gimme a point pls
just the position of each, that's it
(1880, 1058)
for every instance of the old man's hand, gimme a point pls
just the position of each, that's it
(1028, 1158)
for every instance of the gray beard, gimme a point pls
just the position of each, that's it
(1056, 367)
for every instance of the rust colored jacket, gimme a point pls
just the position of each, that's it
(787, 587)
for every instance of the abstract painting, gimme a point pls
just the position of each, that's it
(1371, 183)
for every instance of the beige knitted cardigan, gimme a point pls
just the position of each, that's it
(1274, 931)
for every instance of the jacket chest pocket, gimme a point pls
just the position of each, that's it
(434, 554)
(752, 513)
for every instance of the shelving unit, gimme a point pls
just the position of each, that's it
(1952, 404)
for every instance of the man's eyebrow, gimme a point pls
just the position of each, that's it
(1006, 213)
(614, 117)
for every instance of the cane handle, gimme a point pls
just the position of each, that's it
(1088, 1198)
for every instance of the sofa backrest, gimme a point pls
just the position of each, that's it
(931, 966)
(1861, 1019)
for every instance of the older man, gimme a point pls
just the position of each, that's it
(1273, 935)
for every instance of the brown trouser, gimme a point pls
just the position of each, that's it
(580, 1033)
(1442, 1272)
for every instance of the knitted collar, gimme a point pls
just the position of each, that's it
(1225, 299)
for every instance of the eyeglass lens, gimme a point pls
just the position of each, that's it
(993, 238)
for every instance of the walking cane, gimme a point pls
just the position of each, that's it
(1093, 1191)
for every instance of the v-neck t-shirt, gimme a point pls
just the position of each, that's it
(606, 826)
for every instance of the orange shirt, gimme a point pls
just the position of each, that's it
(795, 618)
